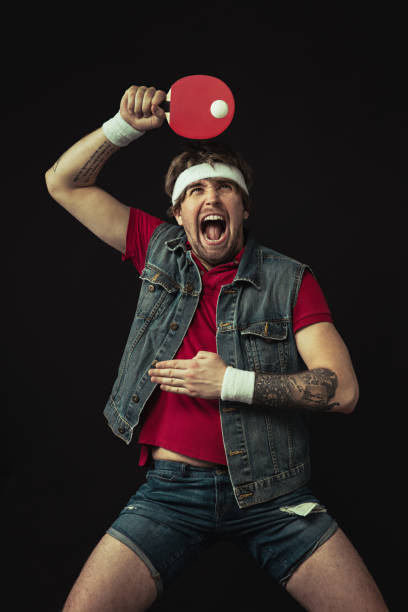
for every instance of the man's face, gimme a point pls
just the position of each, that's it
(212, 214)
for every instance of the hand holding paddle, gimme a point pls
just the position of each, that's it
(140, 107)
(197, 107)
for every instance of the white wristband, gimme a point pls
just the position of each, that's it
(238, 385)
(119, 131)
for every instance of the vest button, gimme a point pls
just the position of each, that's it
(135, 398)
(174, 326)
(151, 288)
(189, 287)
(121, 430)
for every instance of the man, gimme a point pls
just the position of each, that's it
(231, 345)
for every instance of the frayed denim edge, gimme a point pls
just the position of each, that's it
(130, 544)
(327, 534)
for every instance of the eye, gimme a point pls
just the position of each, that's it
(198, 188)
(226, 185)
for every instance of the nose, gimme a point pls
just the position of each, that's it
(211, 194)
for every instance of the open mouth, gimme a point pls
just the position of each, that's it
(213, 228)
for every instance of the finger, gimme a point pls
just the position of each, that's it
(171, 382)
(161, 374)
(177, 364)
(202, 354)
(129, 99)
(139, 101)
(158, 98)
(147, 101)
(179, 390)
(158, 111)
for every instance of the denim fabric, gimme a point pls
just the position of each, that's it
(267, 451)
(181, 510)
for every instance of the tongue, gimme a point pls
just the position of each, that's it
(213, 230)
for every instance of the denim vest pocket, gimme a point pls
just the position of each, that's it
(266, 345)
(157, 292)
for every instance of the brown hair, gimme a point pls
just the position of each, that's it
(211, 153)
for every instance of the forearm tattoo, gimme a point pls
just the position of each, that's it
(311, 390)
(89, 171)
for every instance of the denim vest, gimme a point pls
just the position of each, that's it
(267, 450)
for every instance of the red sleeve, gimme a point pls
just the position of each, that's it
(140, 229)
(311, 306)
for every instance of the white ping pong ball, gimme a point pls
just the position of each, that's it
(219, 109)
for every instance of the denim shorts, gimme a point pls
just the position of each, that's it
(181, 510)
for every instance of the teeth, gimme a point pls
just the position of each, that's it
(213, 218)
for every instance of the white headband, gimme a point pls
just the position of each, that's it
(204, 171)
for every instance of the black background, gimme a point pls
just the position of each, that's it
(321, 111)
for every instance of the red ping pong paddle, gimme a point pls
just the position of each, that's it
(199, 106)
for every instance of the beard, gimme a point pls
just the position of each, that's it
(217, 255)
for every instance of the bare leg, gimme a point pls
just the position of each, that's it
(335, 578)
(113, 579)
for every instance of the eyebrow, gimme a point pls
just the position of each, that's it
(217, 180)
(197, 184)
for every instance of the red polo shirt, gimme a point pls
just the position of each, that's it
(186, 425)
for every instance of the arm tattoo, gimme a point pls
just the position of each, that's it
(309, 391)
(87, 174)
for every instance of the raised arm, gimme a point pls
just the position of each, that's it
(71, 180)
